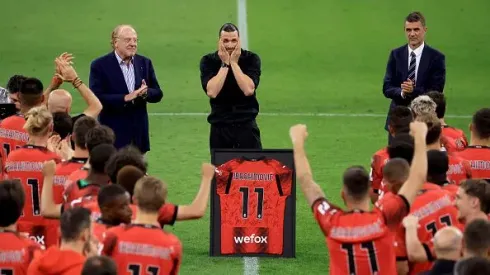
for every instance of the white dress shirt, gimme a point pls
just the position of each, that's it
(128, 72)
(418, 55)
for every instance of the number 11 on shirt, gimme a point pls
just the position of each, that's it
(245, 201)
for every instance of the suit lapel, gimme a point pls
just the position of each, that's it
(137, 72)
(423, 66)
(118, 72)
(404, 60)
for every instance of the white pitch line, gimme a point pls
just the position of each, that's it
(242, 23)
(301, 115)
(250, 264)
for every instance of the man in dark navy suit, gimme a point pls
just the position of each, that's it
(125, 82)
(415, 68)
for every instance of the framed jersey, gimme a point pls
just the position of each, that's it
(253, 203)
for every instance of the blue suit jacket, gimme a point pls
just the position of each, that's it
(128, 120)
(431, 75)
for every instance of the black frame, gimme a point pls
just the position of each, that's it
(285, 156)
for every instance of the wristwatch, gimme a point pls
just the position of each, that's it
(224, 65)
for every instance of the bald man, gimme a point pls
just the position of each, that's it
(125, 82)
(59, 101)
(448, 245)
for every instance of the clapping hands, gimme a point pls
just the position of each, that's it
(64, 68)
(142, 92)
(62, 147)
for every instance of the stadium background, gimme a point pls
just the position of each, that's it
(318, 57)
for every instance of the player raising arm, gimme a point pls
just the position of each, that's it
(360, 239)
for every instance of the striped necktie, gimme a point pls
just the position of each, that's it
(411, 68)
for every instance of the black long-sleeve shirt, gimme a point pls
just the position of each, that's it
(231, 105)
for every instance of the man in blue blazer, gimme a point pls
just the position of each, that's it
(124, 82)
(415, 68)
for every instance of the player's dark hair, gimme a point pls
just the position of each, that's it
(396, 170)
(479, 189)
(440, 101)
(150, 194)
(415, 16)
(438, 165)
(99, 265)
(481, 123)
(472, 266)
(356, 182)
(228, 27)
(476, 237)
(31, 92)
(434, 127)
(100, 134)
(128, 176)
(62, 124)
(99, 156)
(400, 118)
(126, 156)
(402, 146)
(108, 193)
(82, 126)
(73, 222)
(14, 83)
(12, 199)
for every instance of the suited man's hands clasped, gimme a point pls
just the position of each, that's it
(407, 86)
(140, 92)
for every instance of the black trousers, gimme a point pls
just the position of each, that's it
(235, 136)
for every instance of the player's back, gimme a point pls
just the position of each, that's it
(80, 188)
(452, 189)
(16, 252)
(63, 170)
(12, 135)
(26, 164)
(378, 161)
(459, 169)
(361, 242)
(453, 139)
(252, 197)
(479, 158)
(362, 239)
(435, 210)
(143, 249)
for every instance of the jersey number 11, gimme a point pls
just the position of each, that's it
(245, 201)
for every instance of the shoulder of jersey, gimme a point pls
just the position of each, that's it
(16, 152)
(382, 152)
(12, 120)
(172, 237)
(455, 157)
(118, 228)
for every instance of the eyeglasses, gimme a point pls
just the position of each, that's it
(127, 40)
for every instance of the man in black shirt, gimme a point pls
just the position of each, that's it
(230, 77)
